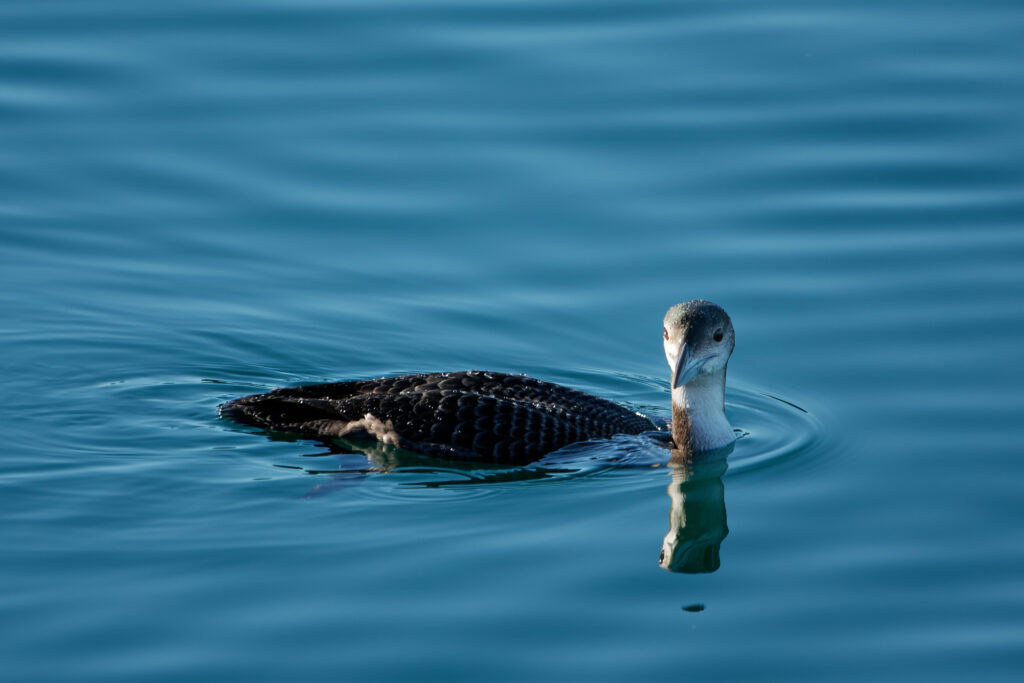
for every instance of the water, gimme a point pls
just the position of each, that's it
(203, 200)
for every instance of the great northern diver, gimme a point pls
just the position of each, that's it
(497, 417)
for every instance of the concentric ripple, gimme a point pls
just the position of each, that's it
(771, 429)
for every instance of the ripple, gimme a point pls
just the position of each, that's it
(772, 429)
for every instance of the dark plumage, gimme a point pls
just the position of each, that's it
(483, 416)
(491, 416)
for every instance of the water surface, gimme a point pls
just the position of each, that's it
(205, 200)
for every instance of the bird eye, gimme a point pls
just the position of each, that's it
(718, 335)
(664, 331)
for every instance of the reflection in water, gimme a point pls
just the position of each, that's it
(697, 520)
(352, 459)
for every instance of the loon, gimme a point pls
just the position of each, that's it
(512, 419)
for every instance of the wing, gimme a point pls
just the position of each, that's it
(463, 415)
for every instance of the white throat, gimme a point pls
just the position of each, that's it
(701, 404)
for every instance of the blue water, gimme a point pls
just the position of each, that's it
(201, 200)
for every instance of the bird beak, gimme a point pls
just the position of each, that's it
(686, 367)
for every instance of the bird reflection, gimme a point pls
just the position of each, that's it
(697, 519)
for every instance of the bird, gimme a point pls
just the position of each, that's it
(496, 417)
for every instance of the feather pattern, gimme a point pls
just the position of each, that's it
(474, 415)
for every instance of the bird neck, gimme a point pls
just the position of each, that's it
(698, 414)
